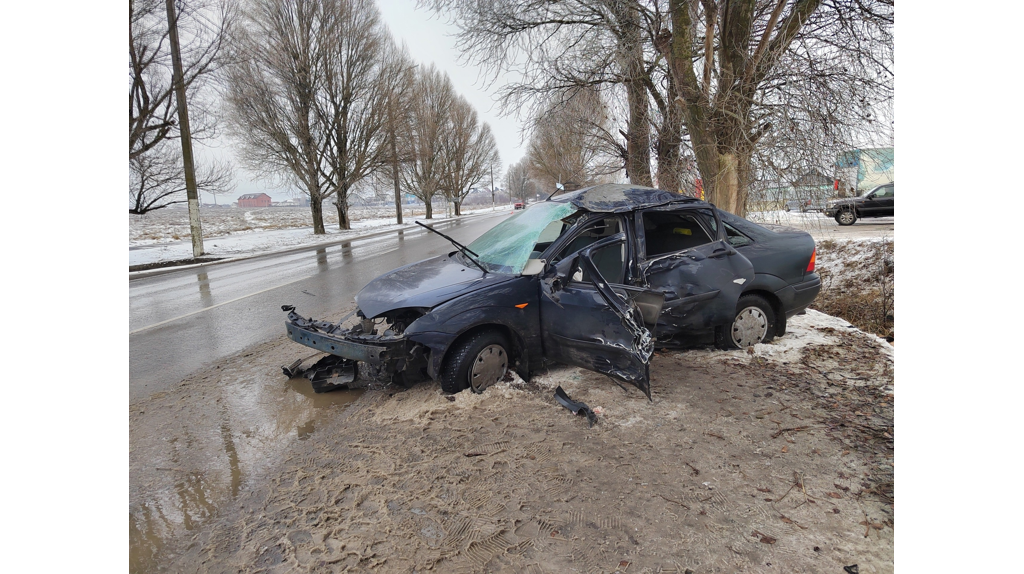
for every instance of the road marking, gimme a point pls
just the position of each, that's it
(164, 322)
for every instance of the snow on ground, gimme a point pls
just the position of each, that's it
(240, 232)
(822, 227)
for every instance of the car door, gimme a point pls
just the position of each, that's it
(684, 257)
(884, 197)
(877, 203)
(597, 323)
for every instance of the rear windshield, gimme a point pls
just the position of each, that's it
(507, 246)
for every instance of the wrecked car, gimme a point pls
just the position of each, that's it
(590, 278)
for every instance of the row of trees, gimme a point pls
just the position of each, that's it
(736, 93)
(742, 90)
(315, 93)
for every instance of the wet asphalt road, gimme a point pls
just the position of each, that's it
(183, 320)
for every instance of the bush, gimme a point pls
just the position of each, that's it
(858, 284)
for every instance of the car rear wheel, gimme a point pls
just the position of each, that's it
(846, 217)
(477, 363)
(754, 323)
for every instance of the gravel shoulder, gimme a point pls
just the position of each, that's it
(779, 460)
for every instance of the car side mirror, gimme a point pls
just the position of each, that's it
(534, 267)
(556, 275)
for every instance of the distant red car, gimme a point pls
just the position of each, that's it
(518, 206)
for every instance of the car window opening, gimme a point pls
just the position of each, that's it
(610, 261)
(592, 233)
(668, 232)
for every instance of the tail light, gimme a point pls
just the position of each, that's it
(814, 255)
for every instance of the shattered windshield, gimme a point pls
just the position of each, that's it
(506, 247)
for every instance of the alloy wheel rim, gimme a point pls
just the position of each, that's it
(489, 366)
(847, 217)
(750, 327)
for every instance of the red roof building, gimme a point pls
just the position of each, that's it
(254, 200)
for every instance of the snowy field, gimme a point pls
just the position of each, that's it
(240, 232)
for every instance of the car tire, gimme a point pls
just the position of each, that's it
(846, 217)
(476, 363)
(754, 323)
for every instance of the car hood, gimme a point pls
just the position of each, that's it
(425, 284)
(846, 201)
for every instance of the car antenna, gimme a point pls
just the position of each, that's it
(465, 250)
(558, 187)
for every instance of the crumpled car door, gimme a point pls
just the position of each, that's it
(597, 326)
(702, 284)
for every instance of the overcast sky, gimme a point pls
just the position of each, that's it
(429, 41)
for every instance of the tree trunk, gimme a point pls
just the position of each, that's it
(638, 130)
(458, 208)
(341, 200)
(668, 149)
(731, 188)
(394, 178)
(430, 209)
(638, 141)
(727, 186)
(316, 207)
(343, 222)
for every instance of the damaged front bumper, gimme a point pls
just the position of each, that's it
(390, 352)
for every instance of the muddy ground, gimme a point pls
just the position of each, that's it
(779, 460)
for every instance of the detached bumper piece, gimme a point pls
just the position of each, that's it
(331, 373)
(575, 407)
(328, 374)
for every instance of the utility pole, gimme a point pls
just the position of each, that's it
(186, 134)
(492, 188)
(394, 157)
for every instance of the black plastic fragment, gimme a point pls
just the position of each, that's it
(293, 370)
(851, 569)
(331, 373)
(576, 407)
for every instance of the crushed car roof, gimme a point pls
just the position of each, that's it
(619, 198)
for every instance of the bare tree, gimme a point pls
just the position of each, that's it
(544, 50)
(152, 107)
(397, 130)
(307, 93)
(469, 152)
(362, 70)
(432, 99)
(156, 179)
(569, 142)
(747, 73)
(830, 57)
(517, 179)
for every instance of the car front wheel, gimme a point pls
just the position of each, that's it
(846, 217)
(754, 323)
(477, 363)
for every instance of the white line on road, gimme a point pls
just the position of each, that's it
(212, 307)
(164, 322)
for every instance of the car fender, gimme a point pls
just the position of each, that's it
(511, 305)
(766, 282)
